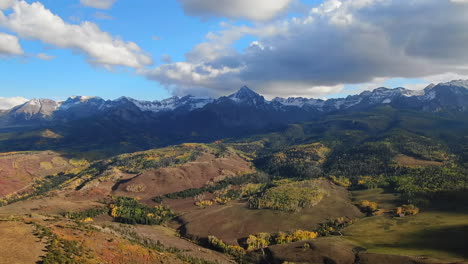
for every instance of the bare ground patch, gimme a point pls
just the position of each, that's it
(411, 162)
(18, 244)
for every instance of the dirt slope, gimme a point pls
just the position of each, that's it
(195, 174)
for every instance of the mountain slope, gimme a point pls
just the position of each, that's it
(127, 124)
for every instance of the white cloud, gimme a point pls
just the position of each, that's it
(435, 79)
(339, 42)
(255, 10)
(10, 102)
(4, 4)
(100, 4)
(459, 1)
(34, 21)
(44, 56)
(296, 89)
(9, 45)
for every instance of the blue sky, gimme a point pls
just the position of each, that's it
(278, 53)
(145, 20)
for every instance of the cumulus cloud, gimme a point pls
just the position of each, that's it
(10, 102)
(259, 10)
(9, 45)
(338, 42)
(100, 4)
(34, 21)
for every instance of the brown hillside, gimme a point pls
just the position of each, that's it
(205, 169)
(330, 250)
(18, 244)
(322, 250)
(18, 170)
(235, 220)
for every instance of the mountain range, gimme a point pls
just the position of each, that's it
(444, 96)
(85, 120)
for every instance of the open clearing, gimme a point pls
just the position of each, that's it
(235, 220)
(412, 162)
(18, 245)
(433, 233)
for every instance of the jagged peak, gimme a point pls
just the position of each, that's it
(245, 92)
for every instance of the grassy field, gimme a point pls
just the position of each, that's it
(407, 161)
(432, 233)
(235, 220)
(18, 244)
(385, 200)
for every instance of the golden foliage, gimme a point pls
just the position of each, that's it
(222, 200)
(46, 165)
(256, 242)
(88, 220)
(79, 162)
(407, 209)
(341, 181)
(204, 203)
(115, 211)
(250, 189)
(367, 206)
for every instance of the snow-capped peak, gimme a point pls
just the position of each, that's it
(458, 83)
(299, 101)
(188, 102)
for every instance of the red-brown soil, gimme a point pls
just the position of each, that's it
(195, 174)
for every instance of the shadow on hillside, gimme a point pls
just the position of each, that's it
(449, 239)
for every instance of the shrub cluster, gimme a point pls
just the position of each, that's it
(130, 211)
(60, 250)
(89, 213)
(407, 209)
(263, 240)
(368, 207)
(217, 244)
(292, 196)
(334, 227)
